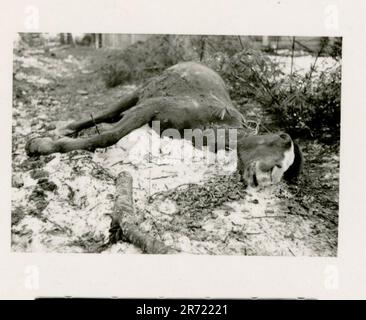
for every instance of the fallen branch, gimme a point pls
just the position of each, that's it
(125, 222)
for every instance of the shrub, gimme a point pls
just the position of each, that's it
(304, 105)
(115, 74)
(146, 59)
(324, 101)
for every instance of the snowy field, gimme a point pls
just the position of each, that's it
(76, 190)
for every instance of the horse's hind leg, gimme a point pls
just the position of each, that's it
(112, 114)
(132, 119)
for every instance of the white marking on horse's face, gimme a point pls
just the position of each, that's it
(289, 158)
(256, 176)
(287, 161)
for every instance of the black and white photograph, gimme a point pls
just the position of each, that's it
(176, 144)
(182, 156)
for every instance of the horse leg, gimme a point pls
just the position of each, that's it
(112, 114)
(132, 119)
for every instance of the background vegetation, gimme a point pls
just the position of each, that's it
(305, 105)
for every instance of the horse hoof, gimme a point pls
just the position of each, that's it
(39, 146)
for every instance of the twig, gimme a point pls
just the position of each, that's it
(277, 40)
(166, 194)
(263, 83)
(95, 124)
(203, 45)
(167, 40)
(300, 214)
(304, 46)
(265, 128)
(83, 156)
(65, 229)
(292, 61)
(312, 68)
(292, 54)
(241, 43)
(127, 163)
(264, 217)
(163, 177)
(93, 207)
(97, 166)
(211, 45)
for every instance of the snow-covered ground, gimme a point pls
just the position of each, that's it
(78, 211)
(75, 216)
(303, 64)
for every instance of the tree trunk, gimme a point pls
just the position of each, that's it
(70, 39)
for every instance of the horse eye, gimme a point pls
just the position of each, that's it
(285, 136)
(279, 166)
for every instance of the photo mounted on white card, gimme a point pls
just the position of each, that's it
(183, 149)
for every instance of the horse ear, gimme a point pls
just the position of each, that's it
(293, 172)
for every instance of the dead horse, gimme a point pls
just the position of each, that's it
(187, 95)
